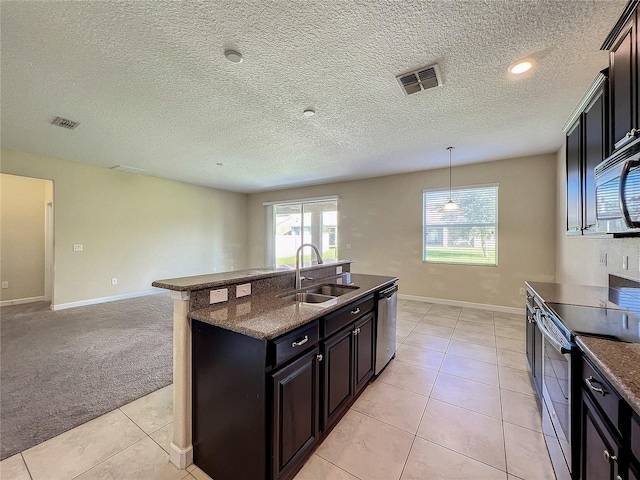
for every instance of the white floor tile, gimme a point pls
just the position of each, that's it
(13, 468)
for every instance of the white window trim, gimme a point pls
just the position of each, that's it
(460, 187)
(270, 223)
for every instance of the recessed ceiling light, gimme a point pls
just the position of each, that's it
(309, 112)
(521, 66)
(233, 56)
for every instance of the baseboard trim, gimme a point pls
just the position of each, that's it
(460, 303)
(20, 301)
(94, 301)
(181, 457)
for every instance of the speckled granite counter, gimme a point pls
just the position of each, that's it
(211, 280)
(267, 316)
(619, 362)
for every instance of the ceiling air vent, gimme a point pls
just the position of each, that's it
(421, 79)
(65, 123)
(125, 168)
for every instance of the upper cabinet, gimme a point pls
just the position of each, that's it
(622, 44)
(587, 142)
(607, 118)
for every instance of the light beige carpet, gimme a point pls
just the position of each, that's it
(61, 369)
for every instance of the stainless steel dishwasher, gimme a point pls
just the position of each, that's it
(387, 300)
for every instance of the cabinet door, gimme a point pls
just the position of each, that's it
(338, 375)
(296, 411)
(364, 351)
(623, 83)
(599, 449)
(574, 183)
(595, 150)
(530, 328)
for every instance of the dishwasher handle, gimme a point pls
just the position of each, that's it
(389, 291)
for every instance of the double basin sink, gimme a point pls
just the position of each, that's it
(318, 293)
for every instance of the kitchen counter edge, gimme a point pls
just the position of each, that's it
(274, 316)
(619, 362)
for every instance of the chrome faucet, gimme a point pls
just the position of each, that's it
(318, 257)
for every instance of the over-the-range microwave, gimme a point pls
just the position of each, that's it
(618, 191)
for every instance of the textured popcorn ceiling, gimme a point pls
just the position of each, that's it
(151, 88)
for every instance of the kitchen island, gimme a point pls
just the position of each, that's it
(257, 323)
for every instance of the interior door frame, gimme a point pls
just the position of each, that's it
(48, 252)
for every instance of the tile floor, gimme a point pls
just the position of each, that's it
(456, 403)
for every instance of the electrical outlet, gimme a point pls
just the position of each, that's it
(77, 247)
(348, 245)
(243, 290)
(5, 284)
(603, 259)
(217, 296)
(338, 270)
(625, 262)
(114, 281)
(521, 291)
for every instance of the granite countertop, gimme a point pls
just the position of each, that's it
(199, 282)
(266, 316)
(619, 362)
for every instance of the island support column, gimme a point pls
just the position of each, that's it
(181, 454)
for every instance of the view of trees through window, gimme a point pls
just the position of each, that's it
(305, 222)
(468, 236)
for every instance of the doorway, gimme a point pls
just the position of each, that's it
(27, 241)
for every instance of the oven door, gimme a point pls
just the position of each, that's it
(556, 395)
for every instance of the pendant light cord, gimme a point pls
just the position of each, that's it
(449, 148)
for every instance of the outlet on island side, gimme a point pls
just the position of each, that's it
(603, 259)
(217, 296)
(521, 291)
(5, 284)
(114, 281)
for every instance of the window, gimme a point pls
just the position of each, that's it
(468, 236)
(290, 224)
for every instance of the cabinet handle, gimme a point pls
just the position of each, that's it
(300, 342)
(356, 311)
(356, 331)
(319, 357)
(608, 457)
(593, 387)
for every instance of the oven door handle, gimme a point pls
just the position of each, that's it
(556, 344)
(623, 180)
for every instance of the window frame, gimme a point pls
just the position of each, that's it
(270, 222)
(445, 191)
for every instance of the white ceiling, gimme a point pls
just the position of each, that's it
(151, 88)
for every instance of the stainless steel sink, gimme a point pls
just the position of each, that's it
(319, 293)
(331, 290)
(306, 297)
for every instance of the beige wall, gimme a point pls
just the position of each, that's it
(22, 227)
(132, 227)
(382, 219)
(577, 257)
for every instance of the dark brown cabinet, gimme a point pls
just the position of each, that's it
(606, 446)
(622, 44)
(296, 412)
(586, 148)
(338, 375)
(260, 407)
(600, 450)
(533, 344)
(348, 366)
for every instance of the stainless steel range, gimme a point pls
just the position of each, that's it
(555, 326)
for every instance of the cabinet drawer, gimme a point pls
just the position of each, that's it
(335, 321)
(601, 392)
(635, 437)
(294, 343)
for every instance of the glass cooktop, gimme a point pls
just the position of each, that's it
(621, 324)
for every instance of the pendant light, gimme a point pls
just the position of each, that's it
(450, 206)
